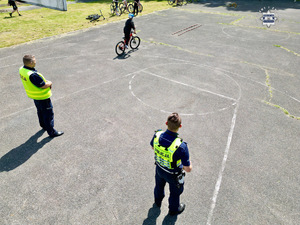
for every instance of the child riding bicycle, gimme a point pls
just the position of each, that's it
(129, 25)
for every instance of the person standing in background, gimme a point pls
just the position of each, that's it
(15, 7)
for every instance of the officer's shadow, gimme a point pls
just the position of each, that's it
(19, 155)
(154, 213)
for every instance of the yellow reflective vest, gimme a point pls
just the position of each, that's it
(164, 155)
(33, 91)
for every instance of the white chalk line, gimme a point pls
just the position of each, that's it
(229, 139)
(164, 111)
(220, 176)
(68, 95)
(76, 92)
(191, 86)
(238, 75)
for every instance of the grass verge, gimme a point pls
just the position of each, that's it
(40, 23)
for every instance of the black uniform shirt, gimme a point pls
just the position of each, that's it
(35, 78)
(128, 26)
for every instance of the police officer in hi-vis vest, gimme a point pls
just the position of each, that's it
(39, 89)
(172, 161)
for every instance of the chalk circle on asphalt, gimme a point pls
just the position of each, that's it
(186, 88)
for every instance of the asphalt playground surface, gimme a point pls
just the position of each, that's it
(234, 81)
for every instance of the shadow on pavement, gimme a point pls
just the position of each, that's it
(153, 214)
(169, 220)
(253, 6)
(19, 155)
(125, 55)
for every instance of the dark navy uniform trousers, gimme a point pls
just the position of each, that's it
(161, 178)
(46, 115)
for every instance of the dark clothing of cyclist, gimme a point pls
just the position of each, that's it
(129, 24)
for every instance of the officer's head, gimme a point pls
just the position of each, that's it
(173, 122)
(29, 60)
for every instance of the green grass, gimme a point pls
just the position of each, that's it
(40, 23)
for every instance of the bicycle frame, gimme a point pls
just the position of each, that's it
(130, 36)
(133, 42)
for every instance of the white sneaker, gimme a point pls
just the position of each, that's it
(126, 46)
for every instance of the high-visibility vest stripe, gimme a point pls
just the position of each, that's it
(164, 155)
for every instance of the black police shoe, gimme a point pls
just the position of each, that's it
(181, 209)
(57, 133)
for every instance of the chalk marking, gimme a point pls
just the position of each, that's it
(186, 62)
(73, 93)
(219, 180)
(184, 84)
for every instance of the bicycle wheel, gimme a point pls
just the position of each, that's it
(130, 8)
(170, 2)
(135, 42)
(140, 7)
(112, 8)
(120, 48)
(122, 7)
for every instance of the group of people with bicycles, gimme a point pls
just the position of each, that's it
(119, 8)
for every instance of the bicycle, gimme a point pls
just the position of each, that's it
(126, 6)
(134, 43)
(95, 17)
(115, 9)
(140, 7)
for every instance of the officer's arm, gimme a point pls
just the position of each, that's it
(188, 168)
(47, 84)
(185, 159)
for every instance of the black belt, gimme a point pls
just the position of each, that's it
(176, 173)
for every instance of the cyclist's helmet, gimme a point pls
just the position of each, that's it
(130, 16)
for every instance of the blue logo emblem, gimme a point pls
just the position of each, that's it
(268, 18)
